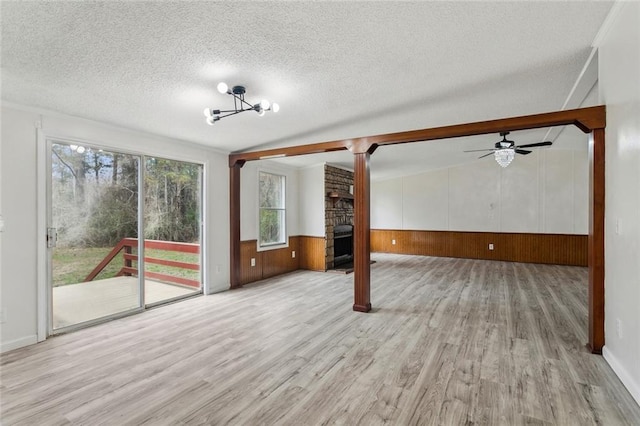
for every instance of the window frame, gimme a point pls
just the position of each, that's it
(276, 245)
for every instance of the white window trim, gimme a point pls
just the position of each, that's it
(272, 246)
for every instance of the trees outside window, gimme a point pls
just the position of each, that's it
(272, 209)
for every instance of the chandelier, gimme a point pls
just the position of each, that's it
(239, 105)
(504, 156)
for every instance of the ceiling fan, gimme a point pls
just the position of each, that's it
(505, 150)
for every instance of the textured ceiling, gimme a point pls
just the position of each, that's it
(337, 69)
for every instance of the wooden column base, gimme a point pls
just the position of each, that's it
(362, 308)
(593, 350)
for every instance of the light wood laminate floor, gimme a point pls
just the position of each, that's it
(449, 342)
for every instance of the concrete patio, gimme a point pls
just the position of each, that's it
(77, 303)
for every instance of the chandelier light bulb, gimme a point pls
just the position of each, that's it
(80, 150)
(275, 107)
(211, 121)
(265, 104)
(222, 87)
(73, 147)
(208, 113)
(261, 112)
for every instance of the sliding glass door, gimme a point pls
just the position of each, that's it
(98, 199)
(172, 205)
(92, 235)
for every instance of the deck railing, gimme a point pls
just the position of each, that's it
(127, 245)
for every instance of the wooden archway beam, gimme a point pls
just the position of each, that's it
(589, 120)
(586, 119)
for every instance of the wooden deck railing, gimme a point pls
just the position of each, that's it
(127, 244)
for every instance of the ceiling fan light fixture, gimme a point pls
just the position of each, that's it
(504, 151)
(505, 156)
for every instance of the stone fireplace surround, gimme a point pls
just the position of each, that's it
(338, 210)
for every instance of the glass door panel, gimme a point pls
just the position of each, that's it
(172, 215)
(93, 235)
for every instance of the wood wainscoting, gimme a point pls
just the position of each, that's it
(269, 263)
(557, 249)
(312, 253)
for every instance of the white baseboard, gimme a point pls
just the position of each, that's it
(18, 343)
(626, 379)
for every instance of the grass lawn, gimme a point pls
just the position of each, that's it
(72, 265)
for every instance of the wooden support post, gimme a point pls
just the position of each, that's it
(127, 262)
(596, 241)
(362, 233)
(234, 222)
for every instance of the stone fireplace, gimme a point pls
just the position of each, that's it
(338, 186)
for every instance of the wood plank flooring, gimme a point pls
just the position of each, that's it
(449, 342)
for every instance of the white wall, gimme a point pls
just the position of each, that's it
(249, 197)
(543, 192)
(18, 251)
(619, 84)
(20, 204)
(311, 201)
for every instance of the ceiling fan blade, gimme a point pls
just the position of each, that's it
(478, 150)
(523, 151)
(486, 155)
(533, 145)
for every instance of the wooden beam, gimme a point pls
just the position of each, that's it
(592, 119)
(596, 241)
(362, 232)
(586, 119)
(234, 224)
(292, 151)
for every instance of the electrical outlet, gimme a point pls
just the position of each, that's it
(393, 242)
(217, 269)
(490, 246)
(617, 226)
(293, 254)
(3, 316)
(253, 261)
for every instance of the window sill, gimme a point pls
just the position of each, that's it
(273, 246)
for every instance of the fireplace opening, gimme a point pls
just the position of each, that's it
(342, 244)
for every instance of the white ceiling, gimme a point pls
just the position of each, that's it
(337, 69)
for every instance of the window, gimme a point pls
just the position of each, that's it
(272, 209)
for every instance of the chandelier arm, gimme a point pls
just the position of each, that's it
(242, 101)
(223, 111)
(232, 113)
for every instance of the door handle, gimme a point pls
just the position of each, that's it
(52, 237)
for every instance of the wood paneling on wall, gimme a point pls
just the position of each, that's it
(309, 255)
(558, 249)
(250, 273)
(312, 253)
